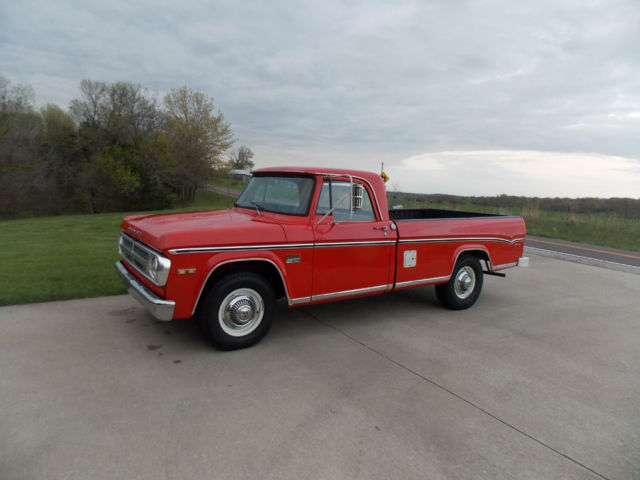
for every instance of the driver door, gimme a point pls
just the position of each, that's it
(354, 251)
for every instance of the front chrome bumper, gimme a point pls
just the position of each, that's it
(523, 262)
(159, 308)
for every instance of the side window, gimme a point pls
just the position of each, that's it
(324, 202)
(337, 194)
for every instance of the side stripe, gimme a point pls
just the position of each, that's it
(354, 244)
(280, 246)
(286, 246)
(461, 239)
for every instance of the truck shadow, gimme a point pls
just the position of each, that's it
(185, 334)
(374, 311)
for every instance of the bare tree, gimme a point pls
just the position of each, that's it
(240, 159)
(19, 98)
(121, 113)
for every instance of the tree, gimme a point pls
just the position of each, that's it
(240, 159)
(116, 149)
(61, 158)
(118, 113)
(24, 187)
(198, 137)
(17, 99)
(121, 127)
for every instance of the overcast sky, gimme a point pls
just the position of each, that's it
(464, 97)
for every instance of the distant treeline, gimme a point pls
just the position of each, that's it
(119, 148)
(116, 148)
(621, 207)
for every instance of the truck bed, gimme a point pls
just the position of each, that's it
(436, 239)
(400, 214)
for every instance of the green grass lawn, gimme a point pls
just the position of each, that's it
(594, 229)
(71, 256)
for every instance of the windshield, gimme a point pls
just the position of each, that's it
(278, 194)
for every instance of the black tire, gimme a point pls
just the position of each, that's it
(464, 287)
(238, 311)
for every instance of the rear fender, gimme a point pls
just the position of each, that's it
(477, 250)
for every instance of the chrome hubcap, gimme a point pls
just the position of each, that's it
(465, 282)
(241, 312)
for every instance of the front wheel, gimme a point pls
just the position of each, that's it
(238, 311)
(463, 288)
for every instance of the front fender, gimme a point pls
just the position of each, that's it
(292, 278)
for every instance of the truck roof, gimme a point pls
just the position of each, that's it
(370, 176)
(374, 179)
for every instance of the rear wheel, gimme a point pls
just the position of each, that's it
(464, 287)
(238, 311)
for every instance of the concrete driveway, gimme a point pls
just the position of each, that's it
(539, 380)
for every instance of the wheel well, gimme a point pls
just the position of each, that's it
(264, 268)
(479, 254)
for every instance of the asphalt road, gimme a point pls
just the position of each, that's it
(585, 251)
(539, 380)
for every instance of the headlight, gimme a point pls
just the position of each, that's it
(159, 269)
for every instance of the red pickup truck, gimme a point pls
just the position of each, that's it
(309, 235)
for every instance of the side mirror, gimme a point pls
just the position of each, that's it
(356, 197)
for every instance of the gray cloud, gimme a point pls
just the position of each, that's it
(357, 81)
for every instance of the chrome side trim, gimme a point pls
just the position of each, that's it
(347, 293)
(285, 246)
(277, 246)
(158, 307)
(462, 239)
(501, 267)
(238, 260)
(353, 244)
(423, 281)
(298, 301)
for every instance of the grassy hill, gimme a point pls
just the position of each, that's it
(69, 256)
(611, 223)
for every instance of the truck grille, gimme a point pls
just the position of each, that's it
(137, 254)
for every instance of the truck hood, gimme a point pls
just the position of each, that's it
(203, 229)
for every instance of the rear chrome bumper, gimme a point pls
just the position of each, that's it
(158, 307)
(523, 262)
